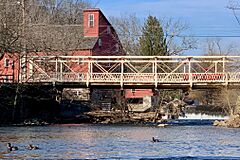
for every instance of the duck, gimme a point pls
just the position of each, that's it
(155, 140)
(32, 147)
(11, 148)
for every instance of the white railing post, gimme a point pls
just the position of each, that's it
(155, 73)
(122, 71)
(61, 70)
(189, 72)
(30, 67)
(88, 72)
(224, 71)
(91, 70)
(216, 68)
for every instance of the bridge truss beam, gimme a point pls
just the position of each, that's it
(140, 71)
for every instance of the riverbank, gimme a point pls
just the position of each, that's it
(37, 106)
(232, 122)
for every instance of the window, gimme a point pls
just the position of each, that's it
(108, 29)
(91, 20)
(6, 62)
(99, 42)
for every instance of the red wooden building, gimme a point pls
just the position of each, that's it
(95, 37)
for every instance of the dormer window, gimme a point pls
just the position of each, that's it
(6, 62)
(100, 42)
(91, 20)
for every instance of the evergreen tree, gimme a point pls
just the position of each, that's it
(152, 41)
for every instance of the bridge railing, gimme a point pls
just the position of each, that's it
(234, 77)
(135, 69)
(105, 77)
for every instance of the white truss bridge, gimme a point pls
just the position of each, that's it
(135, 71)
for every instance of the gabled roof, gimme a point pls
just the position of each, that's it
(58, 38)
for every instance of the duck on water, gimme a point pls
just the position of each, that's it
(11, 148)
(32, 147)
(155, 140)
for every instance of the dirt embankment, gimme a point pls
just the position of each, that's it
(111, 117)
(233, 122)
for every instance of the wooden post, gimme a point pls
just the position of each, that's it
(122, 71)
(30, 67)
(88, 73)
(189, 73)
(224, 71)
(91, 70)
(216, 69)
(61, 71)
(155, 73)
(56, 68)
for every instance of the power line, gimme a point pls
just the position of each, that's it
(209, 36)
(193, 36)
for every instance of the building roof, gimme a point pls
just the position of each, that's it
(58, 38)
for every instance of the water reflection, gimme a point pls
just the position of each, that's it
(125, 142)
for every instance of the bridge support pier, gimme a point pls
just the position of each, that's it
(123, 104)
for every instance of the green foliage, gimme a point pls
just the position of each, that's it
(152, 41)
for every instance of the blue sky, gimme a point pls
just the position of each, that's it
(205, 17)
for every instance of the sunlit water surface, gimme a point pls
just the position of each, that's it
(119, 142)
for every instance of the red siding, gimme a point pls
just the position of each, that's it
(88, 30)
(109, 39)
(101, 29)
(9, 73)
(81, 67)
(138, 93)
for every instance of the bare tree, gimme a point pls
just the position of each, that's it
(176, 41)
(228, 100)
(224, 97)
(216, 47)
(19, 23)
(234, 5)
(129, 29)
(10, 24)
(30, 25)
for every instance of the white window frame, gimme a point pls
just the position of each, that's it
(91, 20)
(6, 62)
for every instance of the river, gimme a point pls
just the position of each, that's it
(89, 141)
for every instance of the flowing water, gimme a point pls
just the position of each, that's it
(90, 141)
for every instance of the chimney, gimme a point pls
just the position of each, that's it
(91, 22)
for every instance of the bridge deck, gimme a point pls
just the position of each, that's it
(134, 72)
